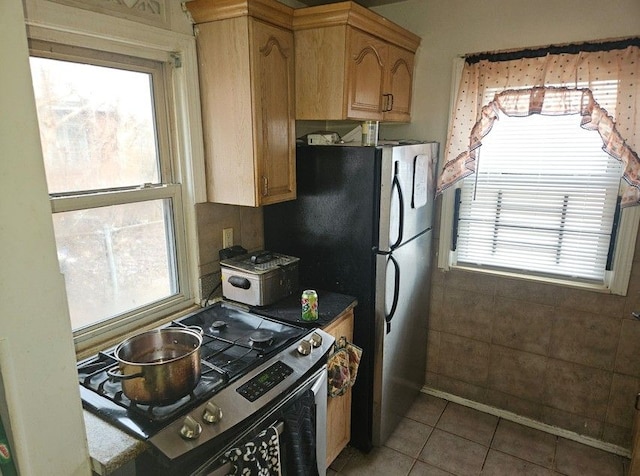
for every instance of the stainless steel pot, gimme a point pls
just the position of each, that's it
(159, 366)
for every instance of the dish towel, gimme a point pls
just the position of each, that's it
(258, 457)
(342, 367)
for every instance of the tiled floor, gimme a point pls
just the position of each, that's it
(443, 438)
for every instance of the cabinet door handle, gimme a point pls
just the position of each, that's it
(265, 186)
(388, 102)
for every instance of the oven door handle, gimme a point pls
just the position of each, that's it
(227, 467)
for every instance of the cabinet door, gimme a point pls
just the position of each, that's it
(339, 408)
(274, 126)
(365, 78)
(398, 85)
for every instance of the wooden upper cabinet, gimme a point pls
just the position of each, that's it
(246, 64)
(366, 71)
(351, 63)
(399, 85)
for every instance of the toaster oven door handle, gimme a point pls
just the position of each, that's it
(239, 282)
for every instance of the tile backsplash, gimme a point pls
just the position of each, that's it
(561, 356)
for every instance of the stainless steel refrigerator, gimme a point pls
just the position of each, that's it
(362, 225)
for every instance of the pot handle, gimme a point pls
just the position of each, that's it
(114, 373)
(197, 329)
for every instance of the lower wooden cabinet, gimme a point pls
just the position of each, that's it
(339, 408)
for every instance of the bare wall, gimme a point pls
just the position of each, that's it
(565, 357)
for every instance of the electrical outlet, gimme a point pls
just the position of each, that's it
(227, 237)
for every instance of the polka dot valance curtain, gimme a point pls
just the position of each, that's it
(601, 88)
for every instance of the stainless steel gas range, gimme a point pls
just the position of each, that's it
(254, 371)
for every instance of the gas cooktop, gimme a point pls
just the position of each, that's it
(234, 343)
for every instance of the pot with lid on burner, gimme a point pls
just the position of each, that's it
(159, 366)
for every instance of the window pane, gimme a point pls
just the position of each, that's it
(542, 201)
(115, 258)
(96, 125)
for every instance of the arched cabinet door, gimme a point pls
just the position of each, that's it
(366, 76)
(246, 62)
(274, 125)
(352, 63)
(398, 85)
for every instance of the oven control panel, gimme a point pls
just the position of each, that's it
(260, 389)
(264, 381)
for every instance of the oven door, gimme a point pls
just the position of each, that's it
(287, 418)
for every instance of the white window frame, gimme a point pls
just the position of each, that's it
(113, 35)
(616, 281)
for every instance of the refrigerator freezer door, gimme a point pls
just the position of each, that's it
(408, 182)
(400, 360)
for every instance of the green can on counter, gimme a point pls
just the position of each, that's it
(309, 301)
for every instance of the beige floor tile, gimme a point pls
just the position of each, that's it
(468, 423)
(426, 409)
(409, 437)
(424, 469)
(343, 458)
(501, 464)
(381, 461)
(575, 459)
(453, 453)
(526, 443)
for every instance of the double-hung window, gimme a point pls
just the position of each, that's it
(536, 192)
(117, 210)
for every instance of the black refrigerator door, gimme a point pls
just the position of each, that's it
(333, 228)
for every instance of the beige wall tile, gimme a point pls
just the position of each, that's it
(621, 409)
(462, 389)
(468, 314)
(212, 218)
(522, 326)
(514, 404)
(627, 361)
(617, 435)
(251, 233)
(463, 359)
(585, 338)
(437, 308)
(580, 424)
(576, 389)
(527, 291)
(470, 281)
(517, 373)
(433, 350)
(589, 301)
(632, 303)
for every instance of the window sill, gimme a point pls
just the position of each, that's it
(89, 351)
(594, 287)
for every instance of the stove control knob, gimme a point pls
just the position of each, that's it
(304, 347)
(191, 429)
(315, 339)
(212, 413)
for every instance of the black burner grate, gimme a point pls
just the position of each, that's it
(228, 352)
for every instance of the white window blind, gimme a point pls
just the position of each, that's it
(542, 201)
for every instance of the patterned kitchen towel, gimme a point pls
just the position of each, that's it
(258, 457)
(342, 366)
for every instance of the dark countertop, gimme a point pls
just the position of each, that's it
(330, 306)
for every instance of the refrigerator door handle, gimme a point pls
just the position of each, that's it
(396, 186)
(396, 293)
